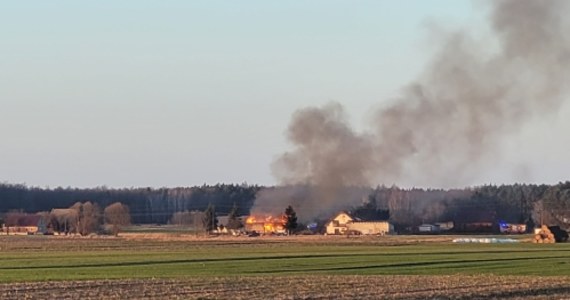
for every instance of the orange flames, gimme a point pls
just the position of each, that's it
(266, 223)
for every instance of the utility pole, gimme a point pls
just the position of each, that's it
(195, 219)
(213, 217)
(541, 213)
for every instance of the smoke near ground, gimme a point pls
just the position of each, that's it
(445, 127)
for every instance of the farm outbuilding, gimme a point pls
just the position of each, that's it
(428, 228)
(445, 226)
(344, 223)
(22, 223)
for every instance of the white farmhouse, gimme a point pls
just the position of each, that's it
(344, 223)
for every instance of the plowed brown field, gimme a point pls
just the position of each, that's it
(300, 287)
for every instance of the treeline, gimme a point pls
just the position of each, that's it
(147, 205)
(81, 218)
(516, 203)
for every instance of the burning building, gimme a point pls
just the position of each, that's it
(266, 224)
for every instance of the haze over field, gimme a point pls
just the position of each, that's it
(140, 93)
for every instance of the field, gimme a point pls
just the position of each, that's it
(184, 266)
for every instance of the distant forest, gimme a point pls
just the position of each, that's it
(146, 205)
(517, 203)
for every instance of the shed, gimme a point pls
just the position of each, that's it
(428, 228)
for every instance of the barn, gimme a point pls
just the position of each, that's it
(22, 223)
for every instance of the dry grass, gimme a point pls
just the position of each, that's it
(300, 287)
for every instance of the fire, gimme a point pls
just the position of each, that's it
(266, 223)
(250, 220)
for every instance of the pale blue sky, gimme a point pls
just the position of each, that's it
(177, 93)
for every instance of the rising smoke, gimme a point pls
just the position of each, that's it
(446, 126)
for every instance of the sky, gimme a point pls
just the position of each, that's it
(180, 93)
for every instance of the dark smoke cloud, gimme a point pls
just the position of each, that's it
(447, 126)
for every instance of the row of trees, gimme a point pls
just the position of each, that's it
(516, 203)
(81, 218)
(147, 205)
(405, 207)
(205, 220)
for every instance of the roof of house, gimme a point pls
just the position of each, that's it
(355, 218)
(25, 220)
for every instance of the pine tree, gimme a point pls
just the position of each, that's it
(209, 220)
(233, 221)
(291, 219)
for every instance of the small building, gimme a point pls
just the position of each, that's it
(345, 223)
(445, 226)
(428, 228)
(22, 223)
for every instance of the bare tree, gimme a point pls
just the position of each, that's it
(11, 220)
(76, 225)
(43, 223)
(64, 220)
(181, 218)
(89, 217)
(233, 220)
(117, 216)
